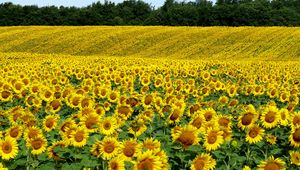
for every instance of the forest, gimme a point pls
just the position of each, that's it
(172, 13)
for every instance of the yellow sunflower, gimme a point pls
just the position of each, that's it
(204, 161)
(129, 149)
(270, 117)
(108, 125)
(224, 121)
(8, 148)
(254, 134)
(116, 164)
(187, 136)
(271, 139)
(295, 157)
(284, 117)
(295, 119)
(50, 122)
(90, 122)
(247, 119)
(137, 128)
(37, 145)
(294, 137)
(213, 139)
(151, 144)
(175, 115)
(148, 160)
(14, 132)
(79, 137)
(109, 147)
(197, 121)
(272, 164)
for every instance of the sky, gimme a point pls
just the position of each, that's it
(77, 3)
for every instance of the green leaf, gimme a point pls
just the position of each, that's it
(46, 166)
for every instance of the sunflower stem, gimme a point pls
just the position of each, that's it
(28, 158)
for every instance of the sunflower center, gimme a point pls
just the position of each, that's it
(114, 165)
(296, 120)
(146, 164)
(253, 132)
(186, 138)
(124, 110)
(107, 125)
(47, 94)
(148, 99)
(296, 135)
(36, 144)
(79, 136)
(197, 122)
(49, 123)
(109, 147)
(6, 148)
(272, 166)
(113, 96)
(212, 138)
(199, 164)
(55, 104)
(32, 133)
(270, 117)
(90, 122)
(129, 150)
(247, 119)
(208, 116)
(224, 122)
(5, 94)
(175, 115)
(14, 132)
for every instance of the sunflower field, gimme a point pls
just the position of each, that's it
(108, 113)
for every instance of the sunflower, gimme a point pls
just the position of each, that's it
(109, 147)
(50, 122)
(187, 136)
(148, 100)
(90, 122)
(124, 111)
(224, 121)
(284, 117)
(294, 137)
(8, 148)
(51, 152)
(129, 149)
(197, 120)
(271, 139)
(295, 119)
(270, 117)
(247, 119)
(254, 134)
(137, 128)
(164, 159)
(295, 157)
(113, 96)
(151, 144)
(37, 144)
(209, 114)
(148, 160)
(79, 137)
(175, 115)
(14, 132)
(203, 162)
(54, 106)
(213, 139)
(108, 125)
(116, 164)
(32, 132)
(272, 164)
(6, 95)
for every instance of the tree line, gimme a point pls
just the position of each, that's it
(173, 13)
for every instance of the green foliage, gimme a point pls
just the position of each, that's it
(136, 12)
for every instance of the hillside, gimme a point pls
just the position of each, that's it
(177, 42)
